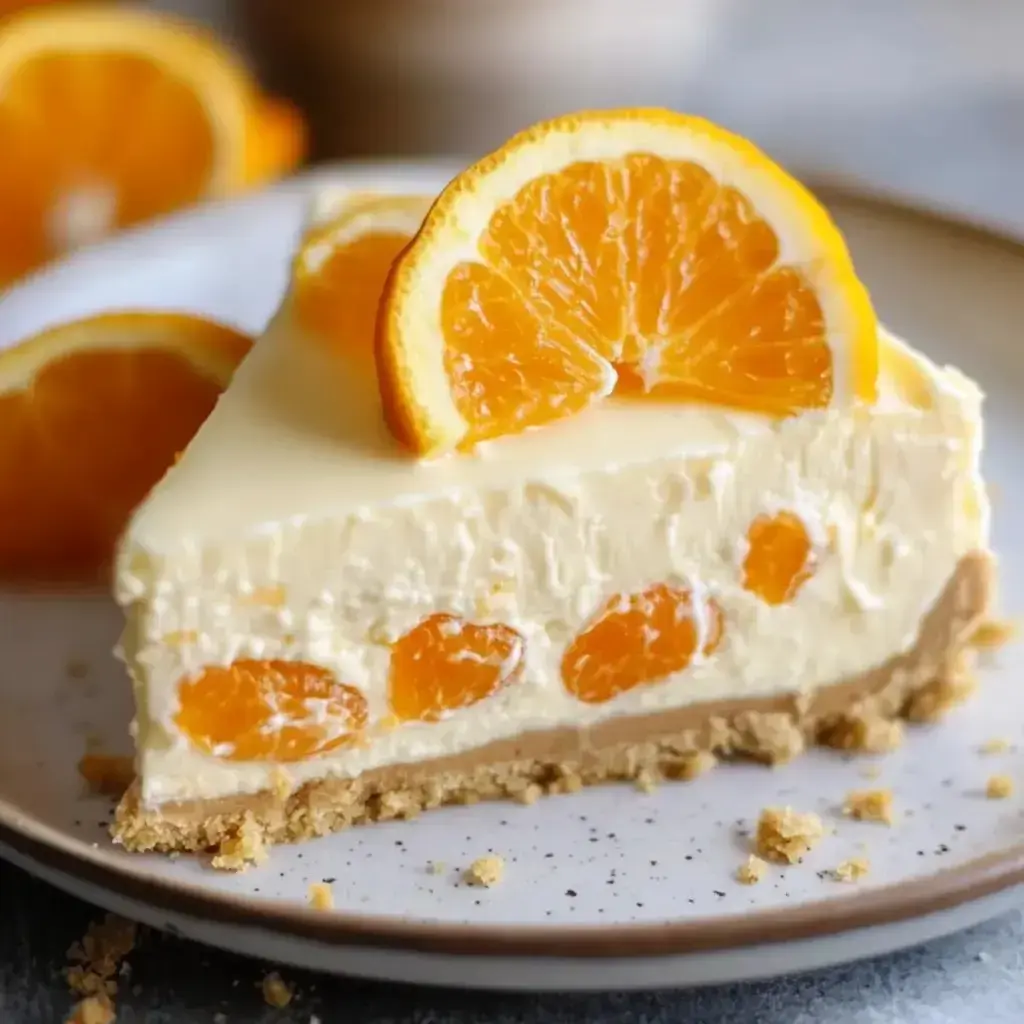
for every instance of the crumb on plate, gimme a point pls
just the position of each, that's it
(486, 871)
(996, 745)
(999, 787)
(321, 896)
(994, 633)
(784, 835)
(752, 870)
(852, 870)
(869, 805)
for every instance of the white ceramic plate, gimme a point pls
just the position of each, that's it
(605, 889)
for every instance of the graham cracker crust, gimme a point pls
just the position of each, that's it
(861, 713)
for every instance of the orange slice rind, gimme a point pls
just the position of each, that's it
(641, 250)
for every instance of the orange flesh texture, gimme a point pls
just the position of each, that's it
(646, 264)
(445, 663)
(780, 558)
(83, 445)
(636, 639)
(339, 300)
(269, 711)
(110, 137)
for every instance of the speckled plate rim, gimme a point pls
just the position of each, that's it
(60, 858)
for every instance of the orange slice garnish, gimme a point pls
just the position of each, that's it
(92, 414)
(278, 711)
(342, 263)
(111, 115)
(637, 250)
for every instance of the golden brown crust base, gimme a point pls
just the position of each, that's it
(918, 686)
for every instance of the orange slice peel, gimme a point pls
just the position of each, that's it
(641, 251)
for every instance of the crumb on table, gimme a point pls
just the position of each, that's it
(852, 870)
(92, 1010)
(276, 991)
(436, 867)
(95, 962)
(646, 781)
(784, 835)
(321, 896)
(752, 870)
(869, 805)
(999, 787)
(486, 871)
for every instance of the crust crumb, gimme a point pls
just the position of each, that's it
(92, 1010)
(108, 774)
(852, 870)
(784, 835)
(994, 633)
(752, 871)
(95, 962)
(276, 991)
(996, 745)
(869, 805)
(529, 794)
(321, 896)
(950, 688)
(869, 734)
(486, 871)
(236, 852)
(691, 766)
(999, 787)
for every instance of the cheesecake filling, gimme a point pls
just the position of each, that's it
(741, 558)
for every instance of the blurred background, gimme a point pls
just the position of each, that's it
(919, 97)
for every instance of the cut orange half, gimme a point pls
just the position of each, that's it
(110, 115)
(641, 251)
(343, 261)
(92, 413)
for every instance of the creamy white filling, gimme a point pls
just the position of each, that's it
(294, 529)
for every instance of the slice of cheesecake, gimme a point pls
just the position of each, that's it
(633, 482)
(322, 630)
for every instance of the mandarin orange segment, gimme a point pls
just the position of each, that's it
(639, 248)
(110, 115)
(446, 663)
(640, 638)
(269, 711)
(779, 559)
(92, 414)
